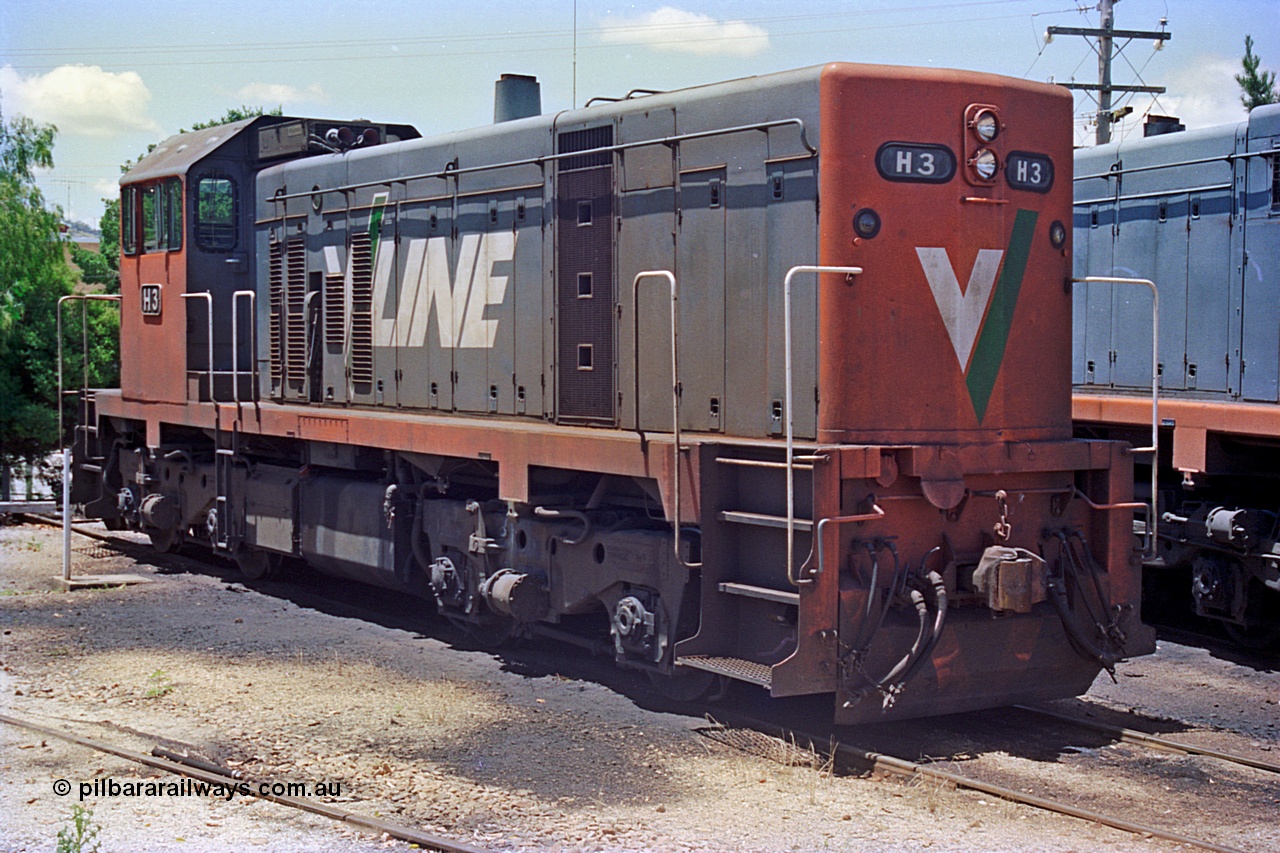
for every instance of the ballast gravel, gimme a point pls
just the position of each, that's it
(401, 718)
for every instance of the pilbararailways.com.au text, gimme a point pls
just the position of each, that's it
(108, 787)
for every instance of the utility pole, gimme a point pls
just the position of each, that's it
(1106, 35)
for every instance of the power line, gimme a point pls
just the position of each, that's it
(1106, 35)
(311, 47)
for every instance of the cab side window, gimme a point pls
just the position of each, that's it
(128, 220)
(215, 211)
(161, 209)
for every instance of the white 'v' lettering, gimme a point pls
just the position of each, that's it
(962, 313)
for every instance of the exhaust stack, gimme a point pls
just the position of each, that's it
(516, 96)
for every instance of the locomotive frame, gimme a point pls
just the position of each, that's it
(444, 366)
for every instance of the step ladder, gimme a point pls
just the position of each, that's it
(749, 605)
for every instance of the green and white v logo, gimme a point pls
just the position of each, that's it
(979, 345)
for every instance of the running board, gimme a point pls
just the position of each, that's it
(735, 668)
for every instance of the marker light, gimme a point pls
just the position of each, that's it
(866, 223)
(984, 164)
(986, 125)
(1057, 235)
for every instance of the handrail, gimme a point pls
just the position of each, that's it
(875, 514)
(791, 483)
(1154, 449)
(235, 343)
(208, 298)
(66, 451)
(554, 158)
(675, 390)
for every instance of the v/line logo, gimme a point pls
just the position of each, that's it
(978, 319)
(458, 289)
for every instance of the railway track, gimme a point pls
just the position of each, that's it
(742, 731)
(863, 758)
(212, 774)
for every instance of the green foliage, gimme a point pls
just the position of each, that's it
(95, 269)
(239, 113)
(1259, 87)
(160, 685)
(34, 275)
(81, 834)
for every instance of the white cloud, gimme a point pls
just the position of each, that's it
(1202, 93)
(81, 99)
(1205, 92)
(274, 94)
(676, 30)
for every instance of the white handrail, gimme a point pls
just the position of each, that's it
(235, 342)
(675, 390)
(791, 484)
(1154, 449)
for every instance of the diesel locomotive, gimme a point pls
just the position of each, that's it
(1198, 213)
(766, 380)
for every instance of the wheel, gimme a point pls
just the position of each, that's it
(1255, 638)
(1261, 631)
(686, 685)
(256, 564)
(493, 632)
(167, 540)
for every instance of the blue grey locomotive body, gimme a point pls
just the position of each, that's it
(1198, 213)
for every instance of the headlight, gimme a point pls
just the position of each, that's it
(986, 125)
(985, 164)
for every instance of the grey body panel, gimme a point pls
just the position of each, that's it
(501, 351)
(1193, 212)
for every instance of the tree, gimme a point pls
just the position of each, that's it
(34, 275)
(1259, 86)
(238, 114)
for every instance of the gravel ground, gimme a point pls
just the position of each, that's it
(512, 752)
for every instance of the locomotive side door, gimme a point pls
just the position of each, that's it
(584, 279)
(482, 303)
(1257, 256)
(426, 227)
(1209, 364)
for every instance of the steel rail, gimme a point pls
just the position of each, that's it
(395, 830)
(1143, 739)
(902, 767)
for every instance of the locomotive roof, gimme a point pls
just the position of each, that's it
(180, 152)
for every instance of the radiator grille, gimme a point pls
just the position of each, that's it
(275, 265)
(361, 309)
(585, 140)
(335, 311)
(295, 324)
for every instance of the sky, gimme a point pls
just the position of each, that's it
(115, 77)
